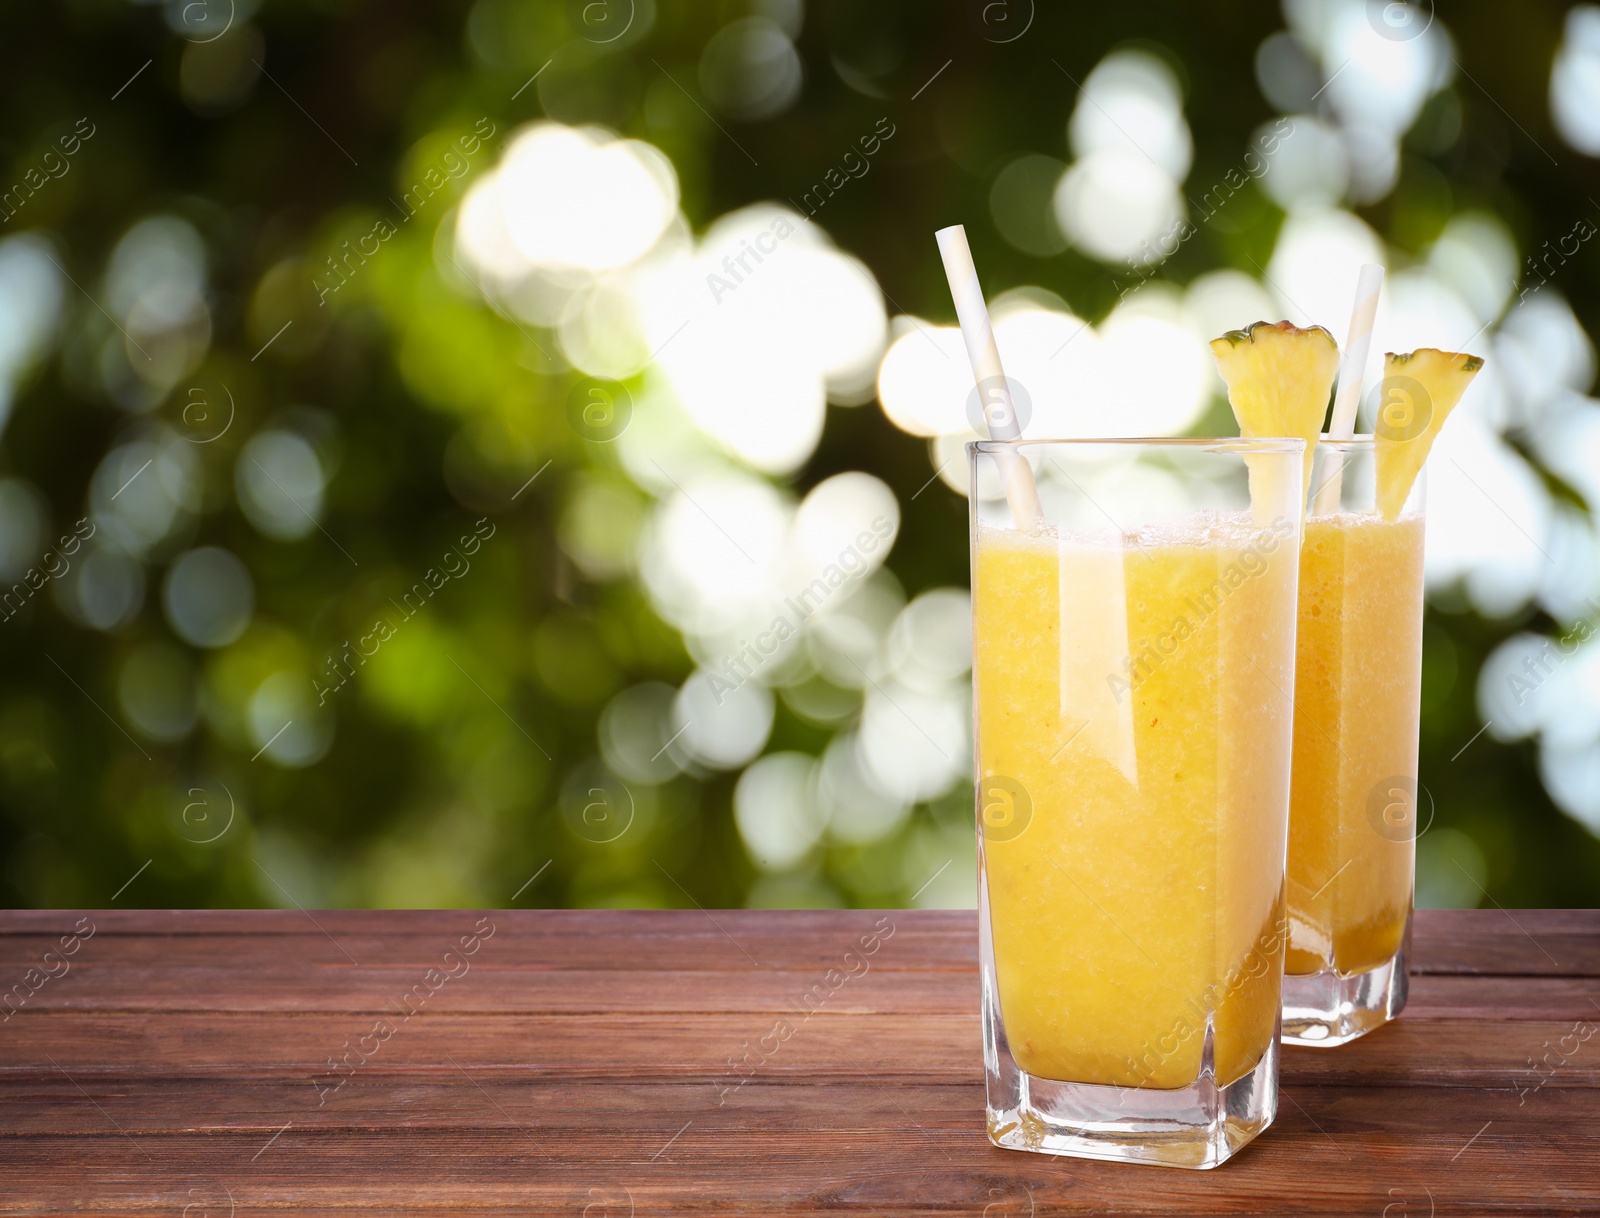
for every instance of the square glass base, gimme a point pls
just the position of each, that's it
(1324, 1009)
(1199, 1126)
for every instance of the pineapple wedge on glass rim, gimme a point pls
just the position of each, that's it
(1418, 392)
(1280, 380)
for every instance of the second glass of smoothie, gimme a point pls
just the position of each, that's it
(1353, 805)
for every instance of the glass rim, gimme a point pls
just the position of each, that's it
(1225, 444)
(1360, 442)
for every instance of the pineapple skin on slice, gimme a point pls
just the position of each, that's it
(1280, 379)
(1419, 390)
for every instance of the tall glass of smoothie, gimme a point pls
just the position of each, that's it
(1133, 678)
(1353, 801)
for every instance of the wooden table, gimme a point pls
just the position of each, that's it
(600, 1063)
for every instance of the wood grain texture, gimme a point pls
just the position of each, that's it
(581, 1065)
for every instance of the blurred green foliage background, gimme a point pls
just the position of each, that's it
(459, 763)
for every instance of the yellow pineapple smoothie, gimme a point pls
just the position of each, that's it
(1358, 679)
(1136, 691)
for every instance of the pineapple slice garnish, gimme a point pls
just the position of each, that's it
(1280, 379)
(1418, 392)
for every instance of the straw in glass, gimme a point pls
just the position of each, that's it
(1352, 368)
(1001, 419)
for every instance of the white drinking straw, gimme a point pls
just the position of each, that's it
(1352, 368)
(993, 390)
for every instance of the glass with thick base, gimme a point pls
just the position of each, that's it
(1353, 799)
(1133, 670)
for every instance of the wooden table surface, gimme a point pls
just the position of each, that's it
(620, 1063)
